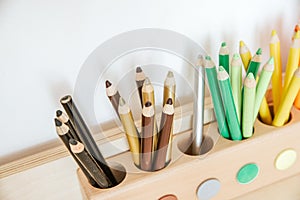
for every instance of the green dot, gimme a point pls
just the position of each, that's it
(247, 173)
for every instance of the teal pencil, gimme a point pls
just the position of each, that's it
(230, 111)
(262, 85)
(224, 56)
(255, 63)
(211, 74)
(248, 105)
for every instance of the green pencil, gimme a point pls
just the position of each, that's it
(262, 85)
(211, 74)
(230, 111)
(224, 56)
(255, 63)
(236, 83)
(248, 105)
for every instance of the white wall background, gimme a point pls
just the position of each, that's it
(43, 45)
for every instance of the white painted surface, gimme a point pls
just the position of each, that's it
(44, 44)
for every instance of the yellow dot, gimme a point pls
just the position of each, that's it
(285, 159)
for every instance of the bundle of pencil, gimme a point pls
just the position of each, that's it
(150, 148)
(74, 133)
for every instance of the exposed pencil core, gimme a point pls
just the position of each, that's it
(73, 142)
(57, 122)
(148, 104)
(138, 69)
(58, 113)
(107, 83)
(169, 101)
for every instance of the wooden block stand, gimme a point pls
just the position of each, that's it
(185, 173)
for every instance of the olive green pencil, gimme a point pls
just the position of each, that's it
(230, 111)
(211, 74)
(248, 105)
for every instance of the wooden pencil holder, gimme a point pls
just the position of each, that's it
(273, 150)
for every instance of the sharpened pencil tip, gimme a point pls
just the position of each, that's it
(73, 141)
(207, 58)
(250, 76)
(59, 113)
(169, 101)
(57, 122)
(148, 104)
(259, 51)
(236, 56)
(273, 33)
(223, 44)
(221, 68)
(138, 69)
(122, 101)
(170, 74)
(147, 81)
(271, 60)
(107, 83)
(242, 43)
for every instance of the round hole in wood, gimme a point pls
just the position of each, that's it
(168, 197)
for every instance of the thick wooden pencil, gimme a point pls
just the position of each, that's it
(224, 56)
(277, 74)
(164, 135)
(255, 63)
(113, 95)
(147, 133)
(89, 163)
(86, 136)
(139, 80)
(131, 131)
(262, 85)
(236, 83)
(248, 105)
(211, 75)
(245, 54)
(65, 135)
(169, 92)
(198, 110)
(230, 111)
(63, 117)
(286, 104)
(293, 61)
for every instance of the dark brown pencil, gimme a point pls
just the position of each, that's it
(63, 117)
(139, 79)
(147, 136)
(86, 136)
(65, 135)
(164, 135)
(113, 95)
(89, 163)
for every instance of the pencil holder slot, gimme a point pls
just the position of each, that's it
(272, 114)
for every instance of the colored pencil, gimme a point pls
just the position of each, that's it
(131, 131)
(113, 95)
(148, 92)
(265, 113)
(211, 74)
(224, 56)
(255, 63)
(198, 114)
(262, 85)
(276, 77)
(139, 80)
(236, 83)
(230, 111)
(164, 135)
(286, 104)
(245, 54)
(65, 135)
(248, 105)
(63, 117)
(89, 163)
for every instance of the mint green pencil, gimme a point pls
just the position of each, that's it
(230, 111)
(236, 83)
(248, 105)
(211, 74)
(255, 63)
(262, 85)
(224, 56)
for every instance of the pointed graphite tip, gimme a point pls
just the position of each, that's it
(138, 69)
(122, 101)
(169, 101)
(259, 51)
(242, 43)
(170, 74)
(59, 113)
(148, 104)
(207, 58)
(147, 81)
(73, 141)
(223, 44)
(57, 122)
(236, 56)
(273, 33)
(107, 83)
(221, 69)
(250, 76)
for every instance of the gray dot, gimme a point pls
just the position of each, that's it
(208, 189)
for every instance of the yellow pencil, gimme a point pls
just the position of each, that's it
(264, 112)
(245, 54)
(293, 60)
(276, 77)
(287, 102)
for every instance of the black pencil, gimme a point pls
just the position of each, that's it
(61, 116)
(86, 136)
(89, 163)
(65, 135)
(113, 95)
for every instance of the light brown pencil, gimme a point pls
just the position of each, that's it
(139, 80)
